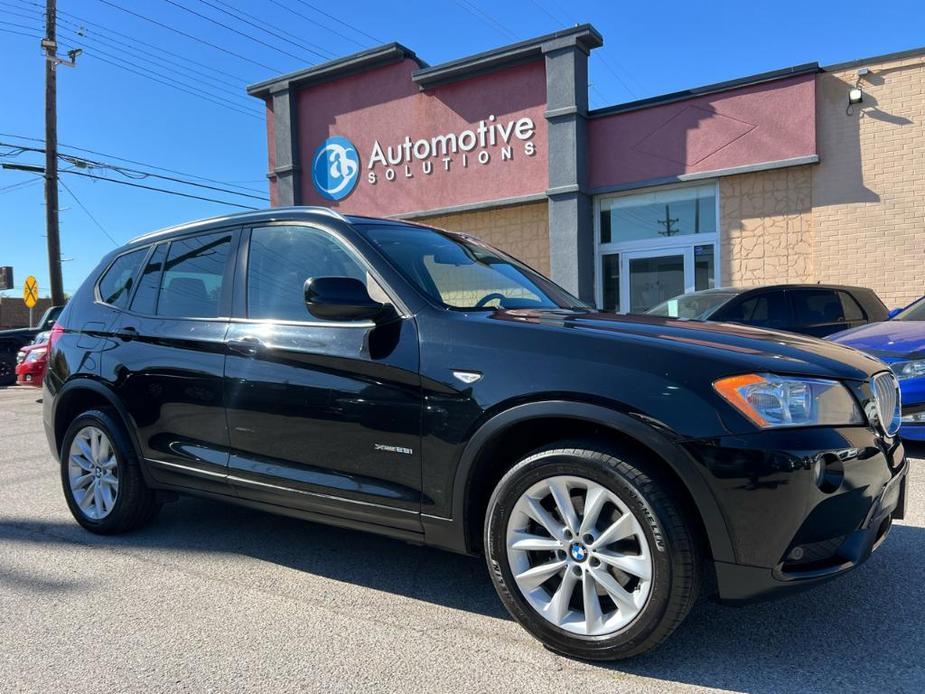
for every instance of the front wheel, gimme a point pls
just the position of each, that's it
(588, 552)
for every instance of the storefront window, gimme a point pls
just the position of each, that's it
(656, 245)
(658, 215)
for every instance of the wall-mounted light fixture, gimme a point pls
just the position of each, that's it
(855, 94)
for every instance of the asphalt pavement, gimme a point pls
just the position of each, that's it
(218, 598)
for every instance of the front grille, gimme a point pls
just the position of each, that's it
(886, 397)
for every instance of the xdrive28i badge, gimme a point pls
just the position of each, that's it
(335, 168)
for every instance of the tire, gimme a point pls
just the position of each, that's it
(7, 369)
(659, 571)
(132, 504)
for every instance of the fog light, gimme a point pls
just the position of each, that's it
(796, 554)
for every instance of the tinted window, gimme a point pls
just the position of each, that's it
(145, 300)
(194, 276)
(850, 308)
(914, 311)
(281, 258)
(813, 306)
(116, 284)
(768, 310)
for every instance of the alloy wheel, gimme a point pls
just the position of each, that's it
(579, 556)
(93, 473)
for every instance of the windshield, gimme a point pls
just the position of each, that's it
(462, 273)
(695, 306)
(914, 312)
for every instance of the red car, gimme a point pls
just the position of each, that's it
(31, 362)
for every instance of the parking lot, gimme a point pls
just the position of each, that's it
(217, 598)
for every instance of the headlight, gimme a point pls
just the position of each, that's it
(35, 355)
(908, 369)
(781, 401)
(20, 356)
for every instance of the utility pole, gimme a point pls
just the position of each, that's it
(668, 223)
(51, 155)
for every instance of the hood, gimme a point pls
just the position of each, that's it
(892, 339)
(743, 348)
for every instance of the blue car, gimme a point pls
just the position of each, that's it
(900, 342)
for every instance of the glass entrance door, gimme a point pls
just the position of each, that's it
(652, 279)
(635, 281)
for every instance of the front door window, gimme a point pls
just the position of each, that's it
(655, 245)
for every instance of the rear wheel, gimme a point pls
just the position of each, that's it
(588, 552)
(102, 481)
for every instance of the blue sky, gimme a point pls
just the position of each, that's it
(649, 48)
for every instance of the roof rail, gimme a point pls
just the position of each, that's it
(320, 209)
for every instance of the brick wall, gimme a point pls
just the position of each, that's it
(14, 314)
(521, 230)
(766, 227)
(869, 188)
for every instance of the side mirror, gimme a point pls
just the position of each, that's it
(340, 299)
(894, 312)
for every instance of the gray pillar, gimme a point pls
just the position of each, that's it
(571, 224)
(286, 173)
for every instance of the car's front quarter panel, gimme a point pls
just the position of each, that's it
(520, 362)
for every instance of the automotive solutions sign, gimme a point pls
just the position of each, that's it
(336, 162)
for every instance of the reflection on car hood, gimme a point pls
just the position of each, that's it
(889, 339)
(759, 349)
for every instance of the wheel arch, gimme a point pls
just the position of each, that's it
(475, 461)
(81, 395)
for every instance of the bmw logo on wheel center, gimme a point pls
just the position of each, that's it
(335, 168)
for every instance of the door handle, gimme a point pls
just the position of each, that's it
(245, 345)
(128, 333)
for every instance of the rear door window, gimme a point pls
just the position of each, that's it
(116, 284)
(194, 276)
(816, 306)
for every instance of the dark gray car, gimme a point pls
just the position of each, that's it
(810, 309)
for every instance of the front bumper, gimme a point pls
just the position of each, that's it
(801, 506)
(30, 374)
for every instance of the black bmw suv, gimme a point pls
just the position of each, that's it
(418, 383)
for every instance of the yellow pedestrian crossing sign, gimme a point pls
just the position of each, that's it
(30, 291)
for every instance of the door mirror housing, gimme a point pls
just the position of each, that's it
(893, 313)
(341, 299)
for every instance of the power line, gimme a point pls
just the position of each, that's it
(90, 164)
(133, 161)
(81, 39)
(199, 95)
(477, 12)
(339, 21)
(207, 96)
(85, 34)
(160, 49)
(295, 40)
(189, 36)
(317, 23)
(87, 212)
(159, 190)
(236, 31)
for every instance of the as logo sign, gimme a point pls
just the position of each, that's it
(335, 168)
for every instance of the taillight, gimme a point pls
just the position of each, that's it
(56, 331)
